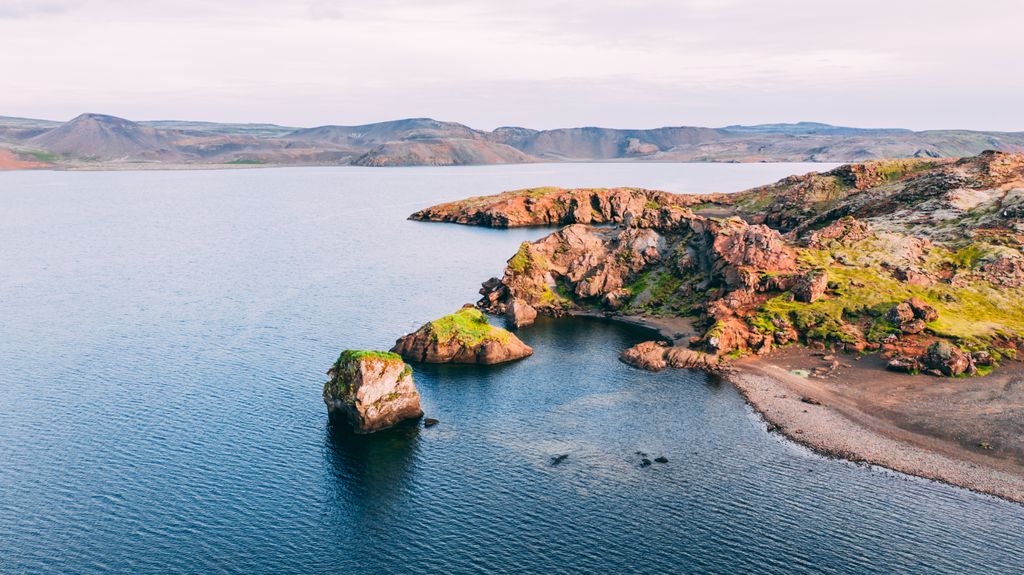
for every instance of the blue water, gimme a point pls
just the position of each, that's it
(163, 343)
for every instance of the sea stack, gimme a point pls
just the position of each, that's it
(461, 337)
(373, 390)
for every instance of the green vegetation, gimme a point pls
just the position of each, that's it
(246, 162)
(350, 355)
(467, 326)
(42, 156)
(652, 205)
(345, 366)
(525, 259)
(968, 257)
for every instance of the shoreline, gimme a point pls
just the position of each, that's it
(832, 428)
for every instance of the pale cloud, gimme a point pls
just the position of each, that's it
(531, 62)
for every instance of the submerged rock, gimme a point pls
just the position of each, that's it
(462, 337)
(374, 390)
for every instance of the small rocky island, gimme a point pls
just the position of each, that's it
(372, 390)
(461, 337)
(820, 297)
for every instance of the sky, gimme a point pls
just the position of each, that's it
(535, 63)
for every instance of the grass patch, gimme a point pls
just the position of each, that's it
(41, 156)
(467, 326)
(246, 162)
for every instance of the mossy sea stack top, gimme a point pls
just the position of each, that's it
(374, 390)
(461, 337)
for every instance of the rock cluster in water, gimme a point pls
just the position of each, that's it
(372, 390)
(462, 337)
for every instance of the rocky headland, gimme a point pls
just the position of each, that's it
(917, 263)
(372, 390)
(462, 337)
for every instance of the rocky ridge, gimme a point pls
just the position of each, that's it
(823, 259)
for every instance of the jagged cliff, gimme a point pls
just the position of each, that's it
(833, 260)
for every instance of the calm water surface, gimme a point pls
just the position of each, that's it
(163, 342)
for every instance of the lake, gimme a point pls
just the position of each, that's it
(164, 338)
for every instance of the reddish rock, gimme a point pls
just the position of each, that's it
(922, 310)
(372, 390)
(913, 326)
(810, 286)
(948, 359)
(520, 313)
(900, 314)
(462, 337)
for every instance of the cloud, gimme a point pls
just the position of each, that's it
(540, 63)
(28, 8)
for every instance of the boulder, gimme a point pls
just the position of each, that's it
(461, 337)
(520, 313)
(649, 355)
(900, 314)
(948, 359)
(811, 286)
(913, 326)
(922, 310)
(373, 390)
(656, 356)
(904, 365)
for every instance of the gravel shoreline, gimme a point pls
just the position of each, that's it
(789, 405)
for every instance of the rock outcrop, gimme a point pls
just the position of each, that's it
(462, 337)
(655, 356)
(550, 206)
(372, 390)
(885, 256)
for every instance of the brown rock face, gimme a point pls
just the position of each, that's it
(922, 310)
(810, 286)
(900, 313)
(520, 313)
(547, 206)
(462, 337)
(372, 390)
(655, 356)
(948, 359)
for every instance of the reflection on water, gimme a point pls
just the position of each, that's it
(372, 467)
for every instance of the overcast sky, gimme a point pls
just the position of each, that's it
(536, 63)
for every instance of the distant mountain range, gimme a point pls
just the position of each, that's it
(96, 140)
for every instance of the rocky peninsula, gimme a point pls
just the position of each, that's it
(372, 390)
(462, 337)
(904, 267)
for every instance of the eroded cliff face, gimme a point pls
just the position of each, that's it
(372, 390)
(820, 258)
(462, 337)
(559, 206)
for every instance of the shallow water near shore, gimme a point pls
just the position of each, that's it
(163, 343)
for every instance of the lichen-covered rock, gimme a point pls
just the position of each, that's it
(900, 313)
(461, 337)
(810, 286)
(922, 310)
(904, 364)
(373, 390)
(948, 359)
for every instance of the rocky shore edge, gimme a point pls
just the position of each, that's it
(786, 404)
(829, 432)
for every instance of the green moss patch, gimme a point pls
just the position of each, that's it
(467, 326)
